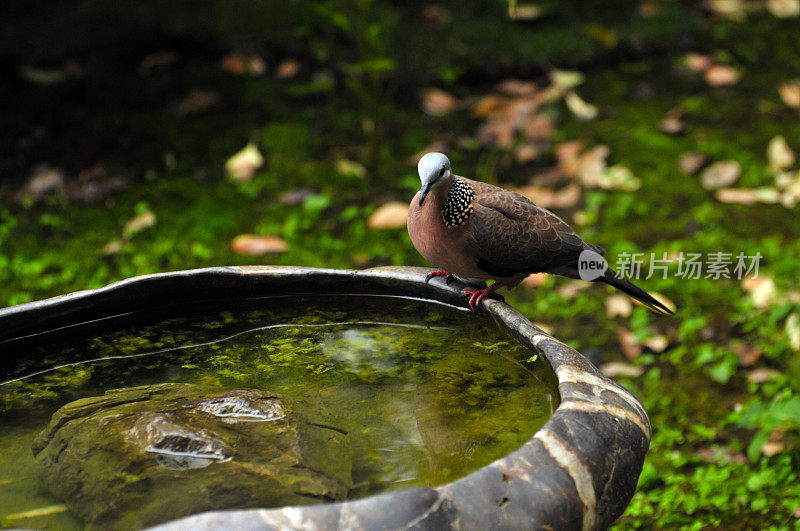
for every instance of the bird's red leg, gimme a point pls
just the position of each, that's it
(448, 276)
(476, 296)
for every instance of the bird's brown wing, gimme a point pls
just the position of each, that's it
(512, 235)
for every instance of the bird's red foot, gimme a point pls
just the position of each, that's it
(476, 296)
(448, 276)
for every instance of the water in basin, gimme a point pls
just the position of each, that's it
(371, 393)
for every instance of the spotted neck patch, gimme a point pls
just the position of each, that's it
(458, 205)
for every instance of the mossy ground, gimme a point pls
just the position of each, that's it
(356, 98)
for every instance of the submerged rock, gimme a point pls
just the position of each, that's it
(144, 455)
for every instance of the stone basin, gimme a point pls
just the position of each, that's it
(579, 471)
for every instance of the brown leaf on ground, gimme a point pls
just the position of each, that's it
(747, 354)
(196, 101)
(592, 166)
(526, 12)
(287, 69)
(568, 154)
(722, 75)
(548, 198)
(762, 289)
(582, 109)
(715, 455)
(391, 215)
(616, 369)
(631, 348)
(436, 102)
(43, 180)
(535, 280)
(691, 161)
(526, 153)
(779, 155)
(618, 305)
(673, 121)
(243, 64)
(790, 93)
(697, 62)
(138, 223)
(517, 87)
(784, 8)
(253, 244)
(489, 105)
(243, 165)
(295, 196)
(720, 174)
(747, 196)
(776, 443)
(539, 127)
(762, 374)
(571, 288)
(657, 343)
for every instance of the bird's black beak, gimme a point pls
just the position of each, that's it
(424, 192)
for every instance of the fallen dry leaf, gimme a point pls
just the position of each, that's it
(615, 369)
(489, 105)
(793, 331)
(538, 127)
(526, 153)
(516, 87)
(195, 102)
(619, 177)
(722, 75)
(243, 165)
(243, 64)
(747, 354)
(730, 9)
(436, 102)
(568, 155)
(691, 161)
(253, 244)
(776, 443)
(582, 109)
(571, 288)
(657, 343)
(43, 180)
(715, 455)
(525, 11)
(287, 69)
(138, 223)
(790, 93)
(618, 305)
(762, 374)
(535, 280)
(720, 174)
(784, 8)
(673, 121)
(779, 154)
(762, 290)
(747, 196)
(592, 166)
(631, 348)
(548, 198)
(391, 215)
(697, 62)
(351, 167)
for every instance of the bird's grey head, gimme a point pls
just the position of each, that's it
(434, 171)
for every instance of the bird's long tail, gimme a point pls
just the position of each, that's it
(612, 278)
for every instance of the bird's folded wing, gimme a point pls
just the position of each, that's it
(512, 235)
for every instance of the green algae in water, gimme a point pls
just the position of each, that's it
(425, 393)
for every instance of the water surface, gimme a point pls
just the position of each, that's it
(426, 393)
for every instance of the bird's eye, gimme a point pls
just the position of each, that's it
(441, 172)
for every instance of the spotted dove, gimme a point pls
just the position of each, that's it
(476, 232)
